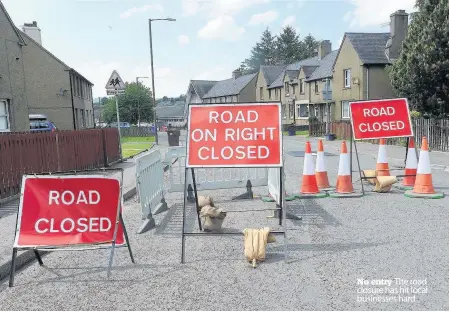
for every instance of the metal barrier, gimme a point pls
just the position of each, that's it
(274, 176)
(212, 178)
(150, 187)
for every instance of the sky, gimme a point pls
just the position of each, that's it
(208, 40)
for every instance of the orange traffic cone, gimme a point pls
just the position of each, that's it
(344, 183)
(320, 170)
(411, 164)
(423, 183)
(309, 184)
(382, 167)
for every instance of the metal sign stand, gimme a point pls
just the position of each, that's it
(282, 214)
(100, 245)
(362, 176)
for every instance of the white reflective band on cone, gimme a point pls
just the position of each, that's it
(412, 162)
(344, 165)
(382, 155)
(424, 163)
(320, 167)
(309, 166)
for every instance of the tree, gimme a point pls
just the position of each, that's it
(103, 100)
(263, 53)
(421, 73)
(309, 46)
(136, 102)
(288, 46)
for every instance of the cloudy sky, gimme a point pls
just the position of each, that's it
(208, 40)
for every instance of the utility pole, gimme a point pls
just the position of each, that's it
(152, 68)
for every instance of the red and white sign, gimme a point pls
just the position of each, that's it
(380, 119)
(234, 135)
(68, 210)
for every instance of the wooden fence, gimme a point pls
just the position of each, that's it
(60, 151)
(436, 131)
(137, 132)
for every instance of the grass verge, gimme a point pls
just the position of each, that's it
(134, 145)
(304, 132)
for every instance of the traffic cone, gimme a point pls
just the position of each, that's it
(309, 184)
(411, 165)
(423, 187)
(320, 170)
(423, 182)
(344, 183)
(382, 162)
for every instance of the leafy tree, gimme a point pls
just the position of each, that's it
(288, 46)
(263, 53)
(103, 101)
(421, 73)
(309, 46)
(135, 102)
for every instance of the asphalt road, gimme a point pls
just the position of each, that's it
(338, 247)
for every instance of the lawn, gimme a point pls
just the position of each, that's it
(134, 145)
(304, 132)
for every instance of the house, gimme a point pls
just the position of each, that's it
(265, 77)
(359, 71)
(171, 113)
(35, 81)
(240, 88)
(197, 90)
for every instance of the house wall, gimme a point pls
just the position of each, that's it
(347, 59)
(45, 76)
(261, 83)
(12, 81)
(379, 83)
(248, 94)
(82, 101)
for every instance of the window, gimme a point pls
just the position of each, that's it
(234, 98)
(344, 109)
(301, 86)
(287, 89)
(347, 78)
(302, 110)
(228, 99)
(284, 111)
(269, 94)
(293, 89)
(276, 93)
(261, 93)
(4, 116)
(291, 110)
(316, 87)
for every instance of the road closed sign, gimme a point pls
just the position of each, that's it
(234, 135)
(380, 119)
(68, 210)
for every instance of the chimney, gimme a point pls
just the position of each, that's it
(236, 73)
(33, 31)
(398, 31)
(324, 48)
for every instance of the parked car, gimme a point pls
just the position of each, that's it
(122, 124)
(40, 123)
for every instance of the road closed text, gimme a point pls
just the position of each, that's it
(237, 135)
(380, 119)
(375, 126)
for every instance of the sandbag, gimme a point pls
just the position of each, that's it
(255, 243)
(370, 174)
(213, 218)
(384, 183)
(204, 201)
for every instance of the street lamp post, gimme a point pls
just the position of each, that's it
(152, 68)
(138, 104)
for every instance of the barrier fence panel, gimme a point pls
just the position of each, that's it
(212, 178)
(274, 187)
(150, 187)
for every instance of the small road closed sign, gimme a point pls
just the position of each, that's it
(376, 119)
(234, 135)
(68, 210)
